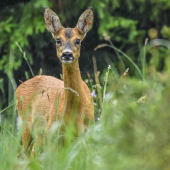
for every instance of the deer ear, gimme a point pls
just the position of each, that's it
(52, 21)
(85, 21)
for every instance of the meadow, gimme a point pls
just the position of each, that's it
(125, 61)
(131, 130)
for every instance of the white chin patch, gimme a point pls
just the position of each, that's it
(67, 61)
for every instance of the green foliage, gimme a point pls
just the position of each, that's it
(133, 131)
(24, 20)
(19, 28)
(132, 134)
(128, 25)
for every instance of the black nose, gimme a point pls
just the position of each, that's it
(67, 56)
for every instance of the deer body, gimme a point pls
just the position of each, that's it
(44, 100)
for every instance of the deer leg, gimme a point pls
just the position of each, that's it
(27, 140)
(39, 126)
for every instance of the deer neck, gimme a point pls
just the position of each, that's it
(73, 84)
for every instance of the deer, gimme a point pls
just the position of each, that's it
(44, 100)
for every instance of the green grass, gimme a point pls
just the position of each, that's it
(133, 133)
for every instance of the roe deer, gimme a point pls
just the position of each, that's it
(44, 100)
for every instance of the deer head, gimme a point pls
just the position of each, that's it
(68, 40)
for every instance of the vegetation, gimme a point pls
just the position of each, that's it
(131, 92)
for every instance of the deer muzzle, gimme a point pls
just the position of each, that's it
(67, 57)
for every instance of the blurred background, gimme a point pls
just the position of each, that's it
(127, 23)
(132, 110)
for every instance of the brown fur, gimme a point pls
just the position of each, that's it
(68, 33)
(42, 100)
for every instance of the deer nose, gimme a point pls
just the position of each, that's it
(67, 56)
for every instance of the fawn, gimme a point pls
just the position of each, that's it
(45, 100)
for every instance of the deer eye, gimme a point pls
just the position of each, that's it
(77, 42)
(58, 40)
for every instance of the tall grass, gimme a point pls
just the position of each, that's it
(24, 56)
(133, 134)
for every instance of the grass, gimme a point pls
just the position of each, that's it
(132, 134)
(24, 56)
